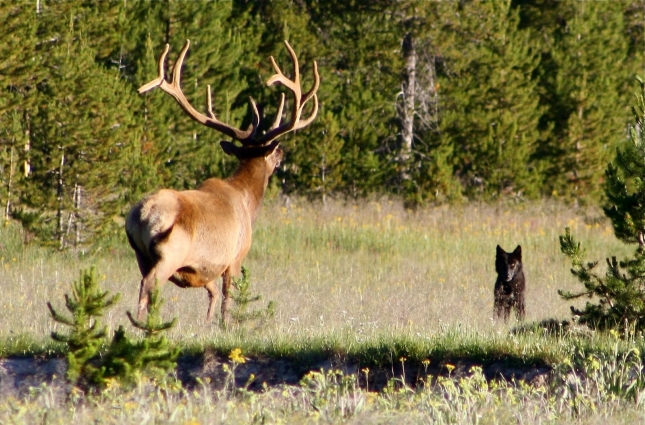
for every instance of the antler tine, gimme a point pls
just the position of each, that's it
(293, 85)
(256, 114)
(279, 77)
(174, 89)
(305, 122)
(294, 60)
(209, 101)
(160, 75)
(312, 93)
(278, 116)
(176, 69)
(299, 99)
(306, 98)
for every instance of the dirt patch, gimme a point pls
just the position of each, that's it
(18, 375)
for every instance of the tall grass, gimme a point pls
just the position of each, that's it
(373, 282)
(367, 269)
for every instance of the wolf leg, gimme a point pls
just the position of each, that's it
(519, 306)
(497, 306)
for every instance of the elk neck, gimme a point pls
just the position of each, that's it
(251, 179)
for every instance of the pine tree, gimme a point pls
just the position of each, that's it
(152, 356)
(128, 360)
(20, 74)
(360, 80)
(78, 134)
(85, 338)
(244, 298)
(621, 292)
(586, 92)
(634, 16)
(320, 172)
(12, 160)
(428, 175)
(491, 112)
(91, 362)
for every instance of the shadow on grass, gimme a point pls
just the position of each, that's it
(527, 353)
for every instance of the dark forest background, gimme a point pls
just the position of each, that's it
(429, 102)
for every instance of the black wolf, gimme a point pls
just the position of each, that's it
(510, 284)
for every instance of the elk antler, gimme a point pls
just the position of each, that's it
(299, 100)
(174, 89)
(248, 137)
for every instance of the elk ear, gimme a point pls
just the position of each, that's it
(230, 148)
(279, 155)
(270, 148)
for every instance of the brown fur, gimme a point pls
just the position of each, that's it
(193, 237)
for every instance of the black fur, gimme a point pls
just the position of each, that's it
(510, 284)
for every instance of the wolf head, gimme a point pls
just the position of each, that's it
(508, 264)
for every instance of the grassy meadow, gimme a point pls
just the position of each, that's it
(369, 281)
(368, 269)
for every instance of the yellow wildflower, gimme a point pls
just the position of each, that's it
(236, 356)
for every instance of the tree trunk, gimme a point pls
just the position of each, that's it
(60, 195)
(407, 111)
(78, 191)
(27, 165)
(9, 183)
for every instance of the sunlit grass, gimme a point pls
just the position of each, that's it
(367, 270)
(370, 284)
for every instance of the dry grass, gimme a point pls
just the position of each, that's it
(376, 279)
(366, 269)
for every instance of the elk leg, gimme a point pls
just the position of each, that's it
(145, 269)
(226, 286)
(143, 263)
(227, 279)
(144, 295)
(212, 297)
(158, 274)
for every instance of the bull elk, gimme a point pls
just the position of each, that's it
(193, 237)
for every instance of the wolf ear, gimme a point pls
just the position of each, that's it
(500, 251)
(518, 252)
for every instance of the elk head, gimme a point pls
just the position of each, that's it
(193, 237)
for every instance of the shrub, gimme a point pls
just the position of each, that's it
(243, 298)
(91, 362)
(85, 337)
(620, 293)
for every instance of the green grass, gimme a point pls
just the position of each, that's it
(368, 270)
(604, 389)
(368, 284)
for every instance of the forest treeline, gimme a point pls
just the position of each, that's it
(428, 101)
